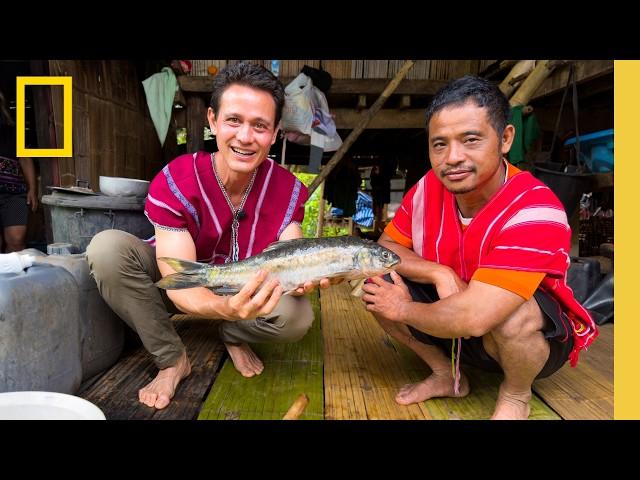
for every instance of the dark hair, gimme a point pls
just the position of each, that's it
(484, 93)
(250, 75)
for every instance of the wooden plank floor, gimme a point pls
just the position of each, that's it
(364, 368)
(290, 370)
(586, 391)
(116, 391)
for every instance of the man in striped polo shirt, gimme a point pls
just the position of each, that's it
(485, 252)
(214, 208)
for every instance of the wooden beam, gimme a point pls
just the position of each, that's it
(366, 118)
(493, 69)
(522, 68)
(532, 83)
(586, 70)
(348, 119)
(355, 86)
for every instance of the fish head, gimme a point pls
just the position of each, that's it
(374, 259)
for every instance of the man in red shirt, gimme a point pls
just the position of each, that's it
(213, 208)
(485, 251)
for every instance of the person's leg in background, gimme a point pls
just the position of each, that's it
(14, 213)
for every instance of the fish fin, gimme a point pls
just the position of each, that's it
(182, 266)
(224, 290)
(284, 243)
(356, 281)
(357, 287)
(177, 281)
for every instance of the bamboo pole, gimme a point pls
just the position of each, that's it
(532, 83)
(366, 118)
(321, 203)
(523, 67)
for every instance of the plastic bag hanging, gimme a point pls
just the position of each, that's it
(297, 114)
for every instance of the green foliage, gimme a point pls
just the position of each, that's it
(311, 209)
(334, 231)
(181, 135)
(312, 206)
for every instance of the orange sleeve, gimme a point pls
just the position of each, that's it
(398, 237)
(516, 281)
(512, 170)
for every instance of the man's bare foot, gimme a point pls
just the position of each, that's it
(512, 407)
(433, 386)
(160, 391)
(245, 361)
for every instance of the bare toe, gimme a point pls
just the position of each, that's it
(245, 360)
(159, 392)
(162, 401)
(431, 387)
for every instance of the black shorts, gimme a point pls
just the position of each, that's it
(13, 209)
(557, 331)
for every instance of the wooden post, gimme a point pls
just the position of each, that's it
(196, 115)
(366, 118)
(532, 83)
(44, 133)
(321, 202)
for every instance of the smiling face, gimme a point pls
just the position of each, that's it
(465, 151)
(244, 127)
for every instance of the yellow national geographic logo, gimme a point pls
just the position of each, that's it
(67, 147)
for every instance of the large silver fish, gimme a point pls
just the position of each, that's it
(292, 262)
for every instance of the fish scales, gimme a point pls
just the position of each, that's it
(292, 262)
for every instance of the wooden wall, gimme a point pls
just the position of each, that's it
(112, 131)
(357, 69)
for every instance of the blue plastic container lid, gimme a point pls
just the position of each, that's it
(591, 136)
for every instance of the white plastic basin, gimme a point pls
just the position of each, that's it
(126, 187)
(46, 406)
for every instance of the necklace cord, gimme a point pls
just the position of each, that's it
(237, 214)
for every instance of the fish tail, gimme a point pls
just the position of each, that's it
(182, 266)
(177, 281)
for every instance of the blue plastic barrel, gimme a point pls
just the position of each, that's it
(596, 150)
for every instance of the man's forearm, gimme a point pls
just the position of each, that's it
(413, 266)
(447, 318)
(200, 302)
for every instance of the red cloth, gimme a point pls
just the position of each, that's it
(523, 227)
(185, 196)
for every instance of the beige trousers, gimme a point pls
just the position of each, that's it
(125, 270)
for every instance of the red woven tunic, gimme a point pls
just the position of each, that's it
(523, 227)
(185, 196)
